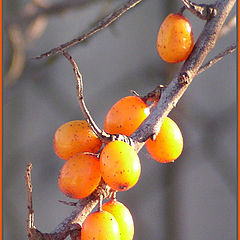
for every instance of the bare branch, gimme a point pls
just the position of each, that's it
(176, 88)
(220, 56)
(203, 11)
(169, 98)
(105, 22)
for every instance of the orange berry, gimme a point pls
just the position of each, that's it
(123, 217)
(126, 115)
(100, 226)
(168, 144)
(75, 137)
(175, 39)
(120, 166)
(79, 176)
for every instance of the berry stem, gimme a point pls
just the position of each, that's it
(100, 202)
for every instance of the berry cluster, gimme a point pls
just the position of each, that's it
(88, 160)
(117, 163)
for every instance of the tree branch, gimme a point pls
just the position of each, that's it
(105, 22)
(169, 97)
(174, 91)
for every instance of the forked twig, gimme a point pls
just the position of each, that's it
(105, 22)
(105, 137)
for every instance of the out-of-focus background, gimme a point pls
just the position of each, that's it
(193, 198)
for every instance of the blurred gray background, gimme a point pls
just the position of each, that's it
(193, 198)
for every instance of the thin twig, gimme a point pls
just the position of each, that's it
(105, 137)
(210, 63)
(29, 197)
(101, 134)
(203, 11)
(105, 22)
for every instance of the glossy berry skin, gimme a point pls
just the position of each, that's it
(79, 176)
(123, 217)
(100, 226)
(75, 137)
(126, 115)
(120, 166)
(175, 39)
(168, 144)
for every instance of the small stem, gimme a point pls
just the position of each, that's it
(113, 195)
(100, 203)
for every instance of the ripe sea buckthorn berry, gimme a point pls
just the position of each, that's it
(175, 39)
(120, 166)
(75, 137)
(100, 226)
(123, 217)
(79, 176)
(168, 144)
(126, 115)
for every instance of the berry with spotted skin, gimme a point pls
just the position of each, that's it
(175, 38)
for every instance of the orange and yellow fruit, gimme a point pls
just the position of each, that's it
(79, 176)
(175, 38)
(120, 166)
(126, 115)
(75, 137)
(123, 217)
(100, 225)
(168, 144)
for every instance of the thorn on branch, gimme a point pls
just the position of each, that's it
(72, 204)
(203, 11)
